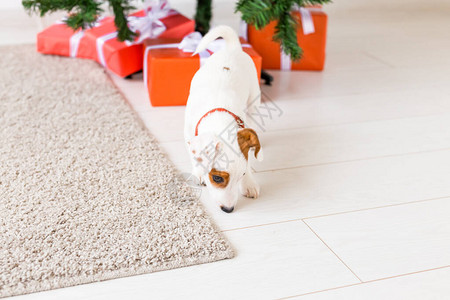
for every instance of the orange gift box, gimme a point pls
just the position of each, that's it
(313, 44)
(168, 71)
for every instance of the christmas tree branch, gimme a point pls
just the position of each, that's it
(203, 16)
(286, 35)
(121, 9)
(84, 13)
(260, 12)
(257, 13)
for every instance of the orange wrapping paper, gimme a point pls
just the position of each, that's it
(313, 44)
(169, 72)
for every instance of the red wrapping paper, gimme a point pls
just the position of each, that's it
(122, 58)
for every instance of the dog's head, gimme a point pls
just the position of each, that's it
(223, 164)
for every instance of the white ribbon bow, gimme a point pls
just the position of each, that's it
(190, 42)
(150, 25)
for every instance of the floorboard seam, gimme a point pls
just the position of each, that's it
(337, 213)
(354, 160)
(366, 282)
(329, 248)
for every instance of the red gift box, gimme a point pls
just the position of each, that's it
(125, 58)
(101, 44)
(311, 37)
(168, 70)
(60, 39)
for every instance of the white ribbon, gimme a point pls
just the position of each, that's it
(75, 42)
(75, 39)
(285, 61)
(150, 25)
(243, 30)
(100, 42)
(307, 20)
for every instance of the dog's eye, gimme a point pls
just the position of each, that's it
(217, 179)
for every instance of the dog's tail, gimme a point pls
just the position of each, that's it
(222, 31)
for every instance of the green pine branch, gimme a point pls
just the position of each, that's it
(286, 35)
(203, 16)
(83, 13)
(121, 9)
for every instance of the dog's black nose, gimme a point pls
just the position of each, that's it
(227, 209)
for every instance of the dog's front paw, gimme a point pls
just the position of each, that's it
(249, 188)
(251, 192)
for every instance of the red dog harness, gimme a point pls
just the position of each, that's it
(238, 120)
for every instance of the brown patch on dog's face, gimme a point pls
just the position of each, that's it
(219, 179)
(247, 138)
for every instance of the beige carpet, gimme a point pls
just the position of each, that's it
(85, 192)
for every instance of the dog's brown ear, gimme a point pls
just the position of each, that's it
(248, 139)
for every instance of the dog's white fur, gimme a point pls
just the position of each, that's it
(228, 80)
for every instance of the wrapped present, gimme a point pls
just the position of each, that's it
(125, 58)
(101, 44)
(311, 37)
(60, 39)
(169, 66)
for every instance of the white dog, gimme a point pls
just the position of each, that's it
(223, 93)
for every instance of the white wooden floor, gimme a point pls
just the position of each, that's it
(355, 199)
